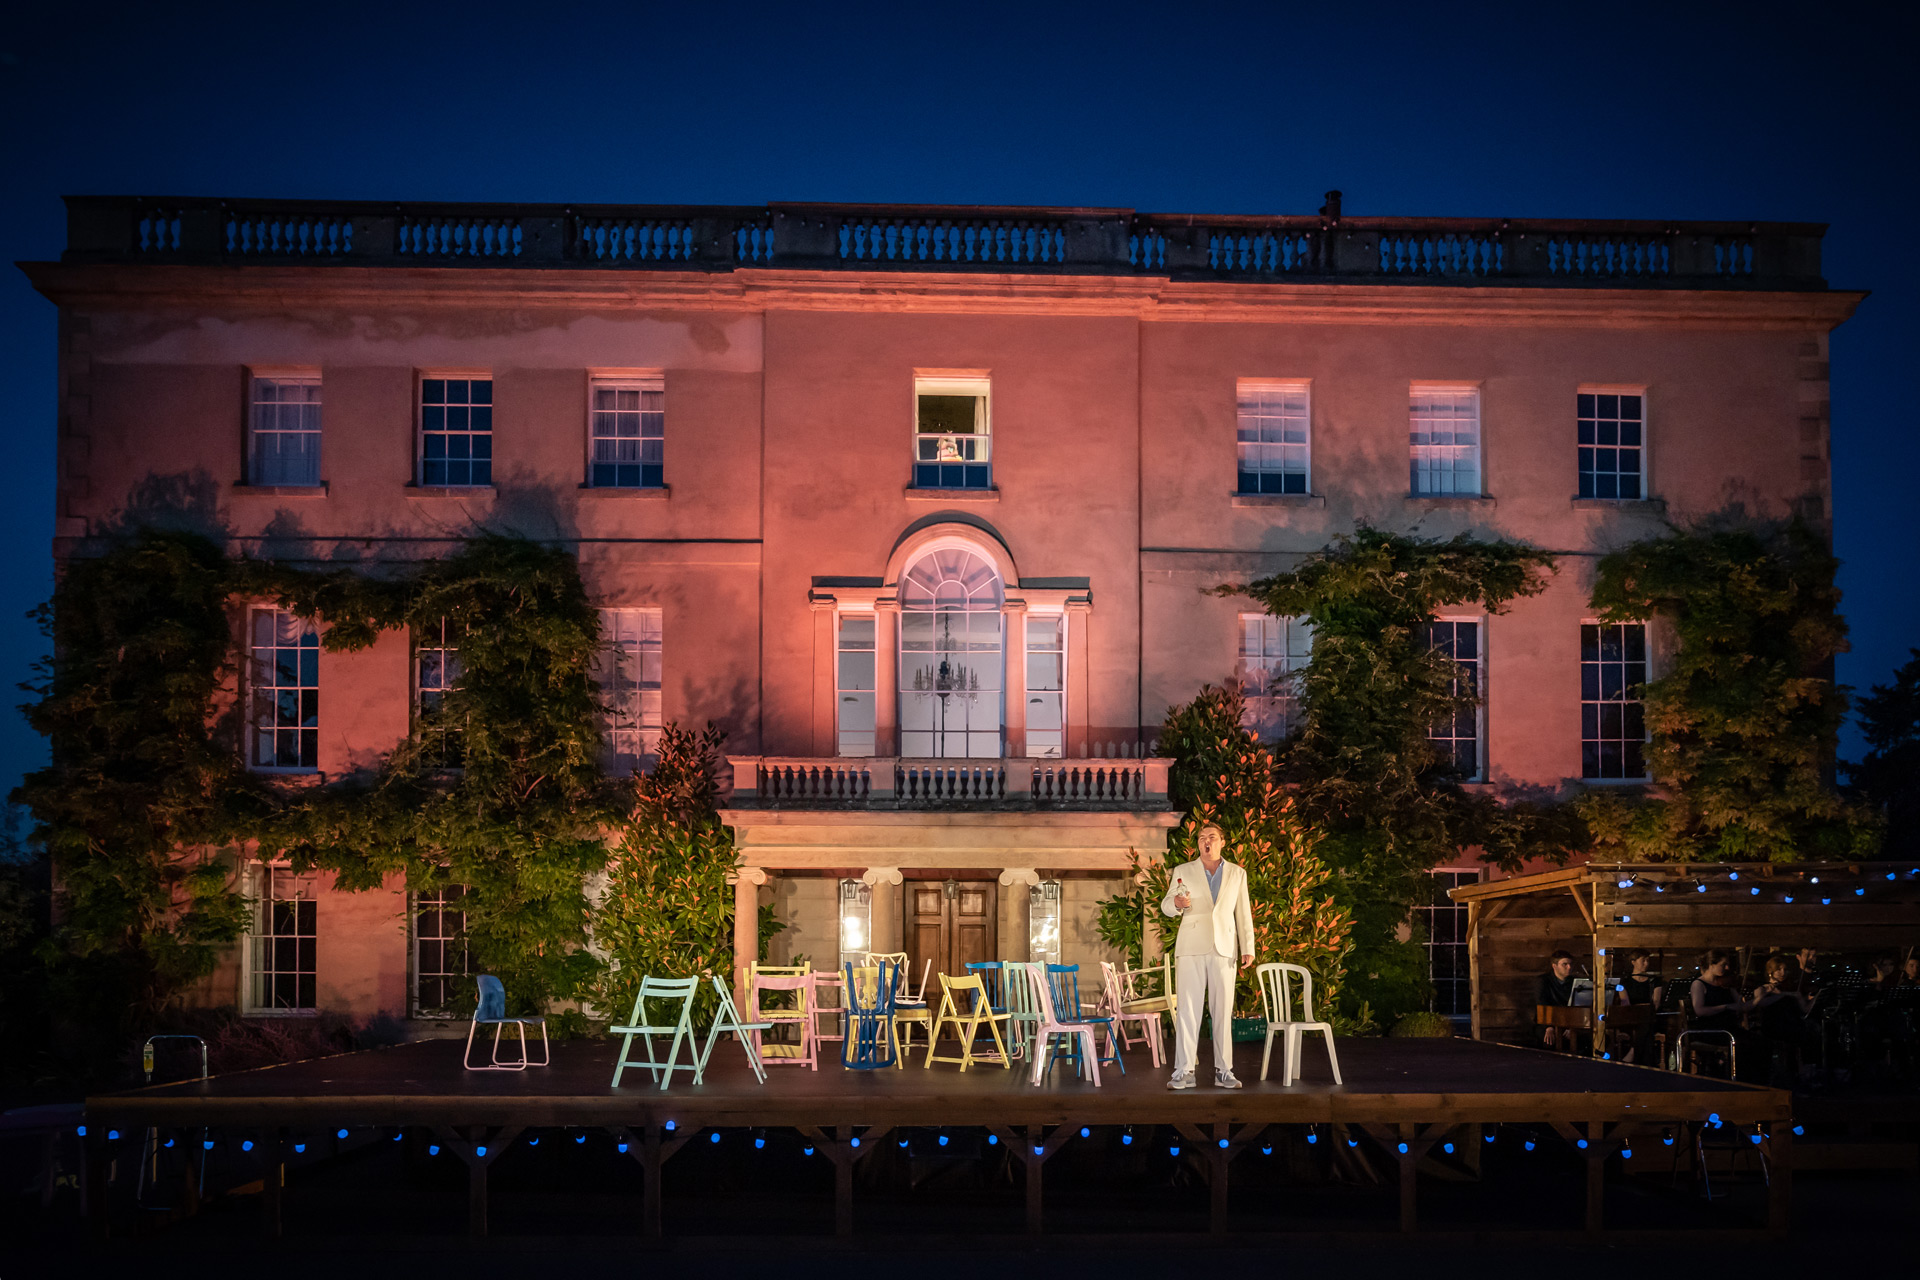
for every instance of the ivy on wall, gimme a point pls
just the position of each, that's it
(1744, 726)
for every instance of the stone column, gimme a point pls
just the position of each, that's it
(886, 681)
(1019, 883)
(885, 921)
(746, 883)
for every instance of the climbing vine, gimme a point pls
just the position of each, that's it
(1744, 725)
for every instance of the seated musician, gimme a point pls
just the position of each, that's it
(1642, 988)
(1781, 1019)
(1886, 972)
(1714, 1004)
(1910, 968)
(1555, 987)
(1808, 959)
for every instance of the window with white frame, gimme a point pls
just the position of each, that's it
(1044, 928)
(1275, 433)
(283, 431)
(1444, 430)
(1458, 736)
(628, 677)
(1446, 929)
(283, 691)
(953, 438)
(856, 922)
(456, 431)
(1047, 685)
(952, 656)
(282, 966)
(1272, 652)
(853, 678)
(436, 673)
(439, 949)
(1612, 429)
(628, 430)
(1613, 677)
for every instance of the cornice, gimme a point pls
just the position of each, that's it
(281, 289)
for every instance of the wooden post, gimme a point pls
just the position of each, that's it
(845, 1149)
(1473, 965)
(275, 1179)
(1409, 1181)
(650, 1162)
(478, 1146)
(1596, 1173)
(1778, 1153)
(1596, 1042)
(1035, 1147)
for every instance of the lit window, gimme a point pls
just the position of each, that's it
(456, 432)
(1044, 931)
(1611, 429)
(854, 683)
(283, 435)
(1613, 674)
(439, 949)
(436, 666)
(1458, 736)
(1272, 652)
(1047, 686)
(629, 429)
(952, 442)
(1275, 437)
(282, 968)
(952, 666)
(1447, 961)
(1444, 427)
(856, 922)
(629, 680)
(284, 690)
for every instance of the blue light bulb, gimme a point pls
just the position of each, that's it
(1447, 1147)
(669, 1126)
(714, 1137)
(1529, 1144)
(246, 1144)
(943, 1139)
(1086, 1133)
(1223, 1144)
(1312, 1138)
(1403, 1148)
(623, 1148)
(992, 1141)
(433, 1151)
(809, 1150)
(113, 1135)
(299, 1148)
(579, 1138)
(1733, 875)
(1173, 1151)
(1126, 1140)
(1581, 1143)
(341, 1134)
(481, 1152)
(533, 1142)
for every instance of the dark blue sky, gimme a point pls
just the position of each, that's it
(1672, 110)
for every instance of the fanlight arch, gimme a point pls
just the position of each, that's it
(952, 654)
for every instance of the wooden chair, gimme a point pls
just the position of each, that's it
(1048, 1025)
(671, 990)
(869, 995)
(492, 1011)
(727, 1018)
(1143, 1012)
(1276, 995)
(967, 1026)
(1023, 1014)
(909, 1007)
(1063, 985)
(795, 1010)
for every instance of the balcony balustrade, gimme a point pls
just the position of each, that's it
(952, 239)
(886, 782)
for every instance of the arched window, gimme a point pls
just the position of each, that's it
(952, 656)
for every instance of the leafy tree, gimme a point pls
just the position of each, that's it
(1745, 725)
(1889, 777)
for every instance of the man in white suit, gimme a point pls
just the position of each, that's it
(1209, 895)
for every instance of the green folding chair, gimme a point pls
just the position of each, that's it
(727, 1018)
(668, 989)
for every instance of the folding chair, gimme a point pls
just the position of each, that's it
(967, 1027)
(493, 1011)
(669, 989)
(1142, 1010)
(727, 1018)
(798, 1015)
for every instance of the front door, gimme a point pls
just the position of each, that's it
(952, 923)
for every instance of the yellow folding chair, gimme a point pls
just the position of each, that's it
(967, 1026)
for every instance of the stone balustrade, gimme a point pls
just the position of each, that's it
(907, 783)
(951, 238)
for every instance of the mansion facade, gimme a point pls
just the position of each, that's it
(923, 506)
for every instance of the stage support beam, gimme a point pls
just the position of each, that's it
(478, 1146)
(1035, 1147)
(845, 1149)
(652, 1148)
(1218, 1158)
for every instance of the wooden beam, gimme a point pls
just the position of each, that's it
(1580, 901)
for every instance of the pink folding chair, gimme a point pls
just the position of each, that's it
(1144, 1013)
(797, 1014)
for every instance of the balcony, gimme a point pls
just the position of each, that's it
(1326, 247)
(904, 783)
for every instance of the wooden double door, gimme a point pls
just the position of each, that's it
(951, 922)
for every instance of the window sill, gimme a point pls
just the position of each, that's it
(1437, 501)
(1616, 782)
(1645, 506)
(280, 1013)
(953, 495)
(289, 775)
(1279, 500)
(629, 493)
(450, 491)
(281, 490)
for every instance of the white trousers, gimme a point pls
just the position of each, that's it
(1203, 981)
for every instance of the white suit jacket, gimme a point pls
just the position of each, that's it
(1211, 926)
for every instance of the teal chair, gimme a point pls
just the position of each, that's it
(670, 991)
(1023, 1015)
(727, 1018)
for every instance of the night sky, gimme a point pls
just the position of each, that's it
(1667, 111)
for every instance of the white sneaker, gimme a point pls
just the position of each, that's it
(1181, 1080)
(1226, 1080)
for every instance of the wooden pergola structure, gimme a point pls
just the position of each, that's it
(1677, 910)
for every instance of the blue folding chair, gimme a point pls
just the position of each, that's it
(1063, 982)
(492, 1011)
(667, 989)
(869, 999)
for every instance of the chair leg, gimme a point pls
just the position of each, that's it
(1266, 1055)
(466, 1059)
(1093, 1053)
(1333, 1059)
(620, 1064)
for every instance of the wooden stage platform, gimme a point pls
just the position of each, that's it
(1405, 1095)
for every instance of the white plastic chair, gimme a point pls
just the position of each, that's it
(1276, 995)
